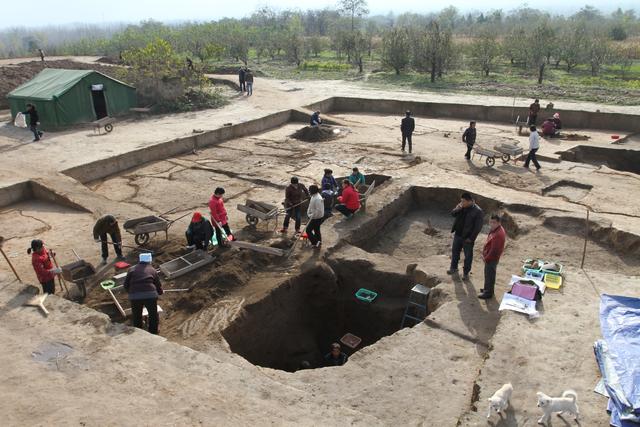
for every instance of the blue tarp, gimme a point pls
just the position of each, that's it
(618, 356)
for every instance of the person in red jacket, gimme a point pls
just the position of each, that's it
(219, 216)
(491, 254)
(43, 266)
(349, 200)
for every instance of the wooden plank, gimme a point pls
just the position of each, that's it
(257, 248)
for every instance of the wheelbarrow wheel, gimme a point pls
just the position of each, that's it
(108, 127)
(252, 220)
(490, 161)
(142, 239)
(506, 158)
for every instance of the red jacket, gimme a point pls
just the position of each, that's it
(42, 263)
(548, 127)
(494, 246)
(218, 212)
(350, 198)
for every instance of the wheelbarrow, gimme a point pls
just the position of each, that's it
(142, 227)
(256, 211)
(509, 151)
(78, 272)
(485, 152)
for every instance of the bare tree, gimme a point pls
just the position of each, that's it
(432, 49)
(573, 44)
(396, 49)
(484, 50)
(540, 38)
(354, 8)
(598, 52)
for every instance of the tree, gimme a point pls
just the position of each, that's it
(354, 8)
(574, 43)
(432, 49)
(484, 50)
(540, 39)
(515, 46)
(396, 49)
(295, 45)
(316, 45)
(598, 52)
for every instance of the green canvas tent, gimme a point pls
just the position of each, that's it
(65, 97)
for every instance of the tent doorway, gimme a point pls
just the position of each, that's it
(99, 102)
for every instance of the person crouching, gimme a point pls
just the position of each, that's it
(199, 232)
(349, 200)
(143, 285)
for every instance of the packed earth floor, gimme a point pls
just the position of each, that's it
(231, 349)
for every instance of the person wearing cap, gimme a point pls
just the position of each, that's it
(469, 138)
(557, 122)
(315, 119)
(356, 178)
(219, 216)
(108, 225)
(295, 195)
(407, 126)
(533, 112)
(43, 266)
(143, 285)
(199, 232)
(335, 357)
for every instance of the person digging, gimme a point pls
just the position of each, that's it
(295, 195)
(143, 286)
(199, 232)
(108, 226)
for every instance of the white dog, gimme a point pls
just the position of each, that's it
(567, 403)
(500, 399)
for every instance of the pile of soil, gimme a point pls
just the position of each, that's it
(13, 76)
(319, 133)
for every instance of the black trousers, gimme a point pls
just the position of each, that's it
(490, 269)
(531, 157)
(406, 137)
(49, 287)
(296, 213)
(344, 210)
(151, 305)
(313, 230)
(243, 87)
(533, 118)
(459, 245)
(469, 148)
(36, 133)
(105, 246)
(226, 229)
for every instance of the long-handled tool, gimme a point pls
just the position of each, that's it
(10, 265)
(63, 284)
(177, 290)
(222, 233)
(38, 301)
(298, 238)
(126, 246)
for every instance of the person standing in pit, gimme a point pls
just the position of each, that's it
(143, 285)
(248, 76)
(315, 212)
(219, 218)
(491, 254)
(466, 227)
(534, 145)
(336, 357)
(469, 138)
(34, 121)
(356, 178)
(407, 126)
(533, 113)
(295, 195)
(199, 232)
(43, 266)
(108, 225)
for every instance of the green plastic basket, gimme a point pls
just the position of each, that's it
(366, 295)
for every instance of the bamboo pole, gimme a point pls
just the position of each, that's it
(586, 237)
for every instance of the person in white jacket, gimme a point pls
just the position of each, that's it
(534, 144)
(315, 212)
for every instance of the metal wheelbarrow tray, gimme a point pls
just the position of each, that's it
(509, 151)
(257, 211)
(78, 272)
(143, 227)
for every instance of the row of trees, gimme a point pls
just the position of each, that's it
(428, 43)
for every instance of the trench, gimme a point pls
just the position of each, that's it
(618, 159)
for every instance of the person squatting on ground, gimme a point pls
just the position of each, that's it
(315, 119)
(557, 122)
(219, 216)
(248, 77)
(466, 227)
(335, 357)
(295, 196)
(43, 266)
(534, 109)
(34, 121)
(108, 225)
(315, 212)
(199, 232)
(534, 145)
(407, 126)
(491, 253)
(241, 77)
(349, 200)
(356, 178)
(143, 285)
(548, 128)
(469, 138)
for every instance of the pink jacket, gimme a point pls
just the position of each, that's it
(218, 212)
(42, 265)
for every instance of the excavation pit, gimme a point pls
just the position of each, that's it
(618, 159)
(293, 327)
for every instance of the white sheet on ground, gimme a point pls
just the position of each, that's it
(521, 305)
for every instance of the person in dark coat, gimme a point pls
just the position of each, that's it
(199, 232)
(469, 138)
(294, 197)
(108, 225)
(248, 77)
(533, 112)
(241, 77)
(143, 285)
(335, 357)
(34, 121)
(315, 119)
(466, 227)
(407, 126)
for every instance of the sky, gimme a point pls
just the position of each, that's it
(36, 13)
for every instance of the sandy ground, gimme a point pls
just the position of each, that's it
(438, 373)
